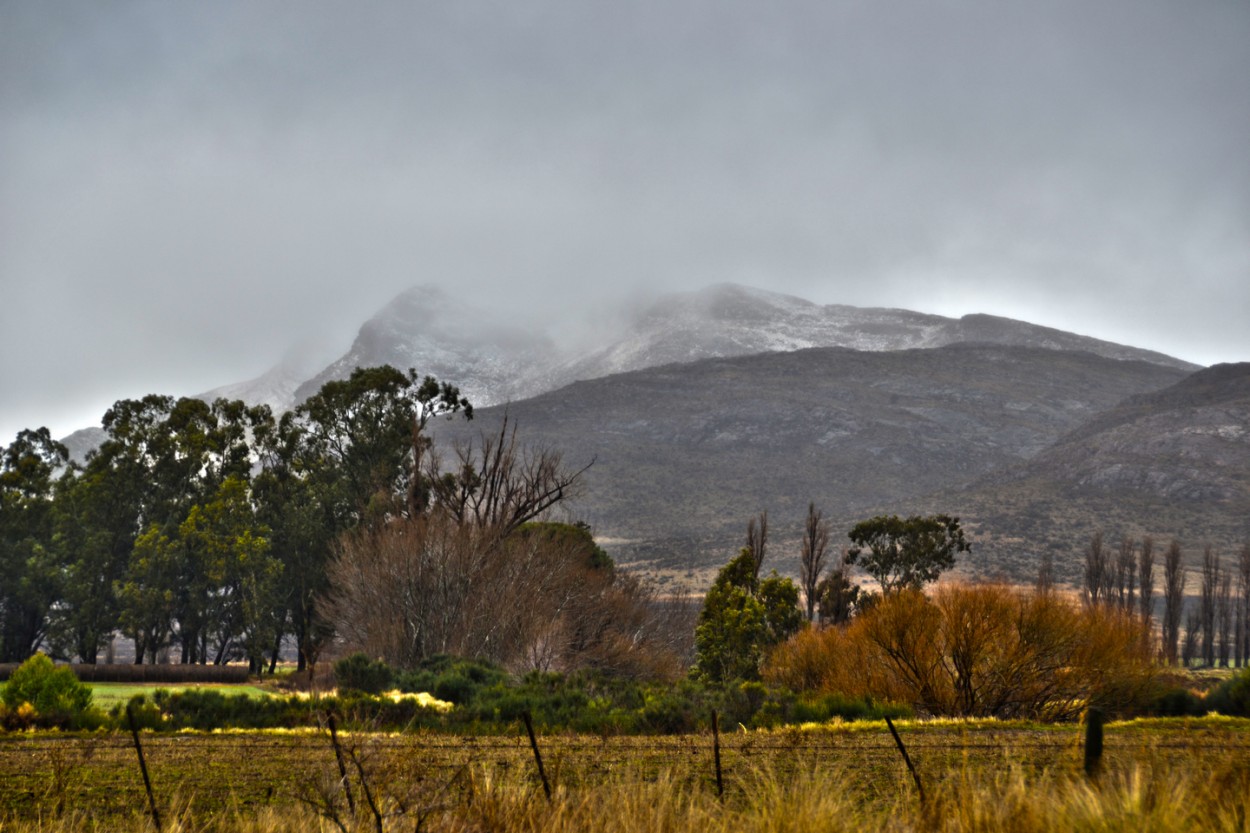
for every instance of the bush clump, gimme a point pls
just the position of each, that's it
(978, 651)
(1231, 697)
(56, 695)
(360, 673)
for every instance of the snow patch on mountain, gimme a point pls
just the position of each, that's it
(493, 361)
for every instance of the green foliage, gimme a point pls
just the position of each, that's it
(577, 534)
(837, 598)
(55, 693)
(29, 574)
(360, 673)
(822, 708)
(1231, 697)
(906, 553)
(742, 617)
(1177, 702)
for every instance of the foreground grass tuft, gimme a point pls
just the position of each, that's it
(1184, 775)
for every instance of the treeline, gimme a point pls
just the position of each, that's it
(215, 531)
(970, 650)
(1215, 632)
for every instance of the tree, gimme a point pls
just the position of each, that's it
(446, 577)
(352, 453)
(363, 439)
(812, 558)
(163, 457)
(1224, 618)
(231, 577)
(1146, 582)
(757, 542)
(1098, 576)
(743, 617)
(302, 529)
(94, 522)
(1207, 603)
(498, 484)
(838, 597)
(1045, 582)
(906, 553)
(1173, 600)
(1126, 574)
(419, 587)
(146, 594)
(1243, 606)
(29, 572)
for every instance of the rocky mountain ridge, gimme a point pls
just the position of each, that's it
(685, 452)
(495, 361)
(1171, 463)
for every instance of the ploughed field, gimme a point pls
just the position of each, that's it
(225, 780)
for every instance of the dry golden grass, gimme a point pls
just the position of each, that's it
(1160, 776)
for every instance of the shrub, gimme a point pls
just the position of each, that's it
(978, 651)
(1231, 697)
(826, 707)
(448, 678)
(360, 673)
(1177, 702)
(55, 694)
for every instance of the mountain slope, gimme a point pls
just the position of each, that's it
(426, 329)
(1169, 463)
(276, 387)
(732, 320)
(684, 453)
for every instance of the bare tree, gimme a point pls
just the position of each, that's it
(1224, 617)
(1126, 573)
(1098, 579)
(1046, 573)
(757, 540)
(1173, 600)
(419, 587)
(1146, 580)
(812, 557)
(1206, 603)
(499, 485)
(467, 571)
(1243, 606)
(1190, 647)
(838, 596)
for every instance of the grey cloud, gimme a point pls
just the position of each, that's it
(186, 189)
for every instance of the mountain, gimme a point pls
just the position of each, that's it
(684, 453)
(83, 441)
(732, 320)
(1169, 463)
(424, 328)
(276, 387)
(494, 361)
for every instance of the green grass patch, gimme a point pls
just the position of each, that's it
(107, 695)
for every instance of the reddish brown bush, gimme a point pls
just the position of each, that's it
(978, 651)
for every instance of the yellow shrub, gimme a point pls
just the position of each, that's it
(978, 650)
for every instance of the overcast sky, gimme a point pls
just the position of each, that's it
(187, 189)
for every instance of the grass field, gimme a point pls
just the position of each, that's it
(107, 695)
(1158, 775)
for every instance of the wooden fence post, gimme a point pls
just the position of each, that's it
(1093, 741)
(538, 758)
(720, 781)
(906, 758)
(143, 766)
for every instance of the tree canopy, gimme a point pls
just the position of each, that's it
(906, 552)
